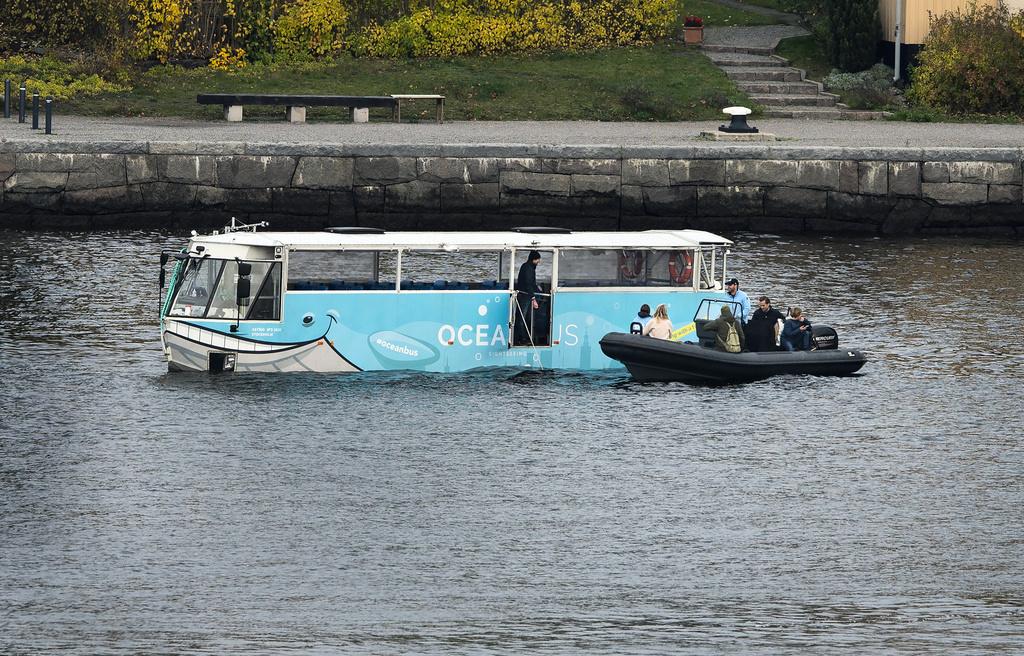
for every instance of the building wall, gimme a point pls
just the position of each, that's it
(916, 13)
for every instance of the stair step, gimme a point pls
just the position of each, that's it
(739, 59)
(746, 50)
(762, 74)
(774, 100)
(802, 112)
(771, 87)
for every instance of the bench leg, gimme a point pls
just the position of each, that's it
(396, 111)
(440, 110)
(296, 114)
(360, 114)
(233, 113)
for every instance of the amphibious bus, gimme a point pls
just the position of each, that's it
(364, 299)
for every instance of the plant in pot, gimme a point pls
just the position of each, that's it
(693, 30)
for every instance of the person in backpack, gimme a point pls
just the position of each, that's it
(729, 335)
(643, 317)
(796, 332)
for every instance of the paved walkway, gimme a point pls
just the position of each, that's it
(782, 17)
(793, 132)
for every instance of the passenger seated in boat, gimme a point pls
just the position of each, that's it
(660, 325)
(728, 330)
(643, 317)
(762, 330)
(796, 332)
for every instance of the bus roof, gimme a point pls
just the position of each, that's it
(652, 239)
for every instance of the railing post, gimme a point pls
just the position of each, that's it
(35, 110)
(7, 99)
(49, 116)
(21, 104)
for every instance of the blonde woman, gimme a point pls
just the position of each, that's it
(659, 326)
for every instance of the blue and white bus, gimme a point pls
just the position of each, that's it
(362, 299)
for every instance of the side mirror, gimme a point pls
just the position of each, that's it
(244, 269)
(242, 291)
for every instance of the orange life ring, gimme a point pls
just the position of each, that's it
(631, 264)
(680, 267)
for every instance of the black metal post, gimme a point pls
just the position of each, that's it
(21, 104)
(35, 110)
(7, 99)
(49, 116)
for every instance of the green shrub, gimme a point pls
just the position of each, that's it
(852, 32)
(870, 89)
(972, 61)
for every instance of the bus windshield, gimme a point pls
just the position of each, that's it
(209, 289)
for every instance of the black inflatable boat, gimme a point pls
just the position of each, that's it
(648, 358)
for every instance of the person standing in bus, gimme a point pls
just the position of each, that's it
(732, 287)
(526, 298)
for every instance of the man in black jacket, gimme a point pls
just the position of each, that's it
(763, 328)
(526, 300)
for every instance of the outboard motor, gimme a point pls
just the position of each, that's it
(824, 338)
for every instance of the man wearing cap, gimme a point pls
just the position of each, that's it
(732, 286)
(526, 297)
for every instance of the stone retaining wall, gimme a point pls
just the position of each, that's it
(714, 187)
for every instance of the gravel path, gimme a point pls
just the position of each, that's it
(795, 132)
(767, 36)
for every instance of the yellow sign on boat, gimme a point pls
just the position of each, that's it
(680, 333)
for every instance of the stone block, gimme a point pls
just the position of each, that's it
(732, 200)
(595, 185)
(849, 177)
(546, 184)
(188, 169)
(46, 201)
(458, 169)
(955, 193)
(167, 195)
(669, 201)
(791, 201)
(582, 166)
(341, 208)
(906, 217)
(233, 113)
(383, 170)
(696, 172)
(1009, 194)
(295, 114)
(632, 200)
(7, 165)
(1000, 173)
(826, 174)
(593, 212)
(45, 162)
(29, 181)
(873, 178)
(126, 198)
(561, 207)
(249, 200)
(369, 198)
(531, 164)
(905, 179)
(95, 171)
(471, 197)
(762, 172)
(858, 208)
(208, 197)
(416, 196)
(645, 172)
(142, 168)
(324, 173)
(935, 172)
(360, 114)
(305, 202)
(255, 172)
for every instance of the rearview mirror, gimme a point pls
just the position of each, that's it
(243, 291)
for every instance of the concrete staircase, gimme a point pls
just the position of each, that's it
(783, 91)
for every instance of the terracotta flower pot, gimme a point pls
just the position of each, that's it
(693, 35)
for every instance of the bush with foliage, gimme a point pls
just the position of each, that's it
(852, 31)
(972, 61)
(870, 89)
(54, 78)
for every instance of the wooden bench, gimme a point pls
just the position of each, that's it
(396, 112)
(296, 104)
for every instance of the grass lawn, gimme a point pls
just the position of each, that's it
(716, 15)
(807, 53)
(664, 82)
